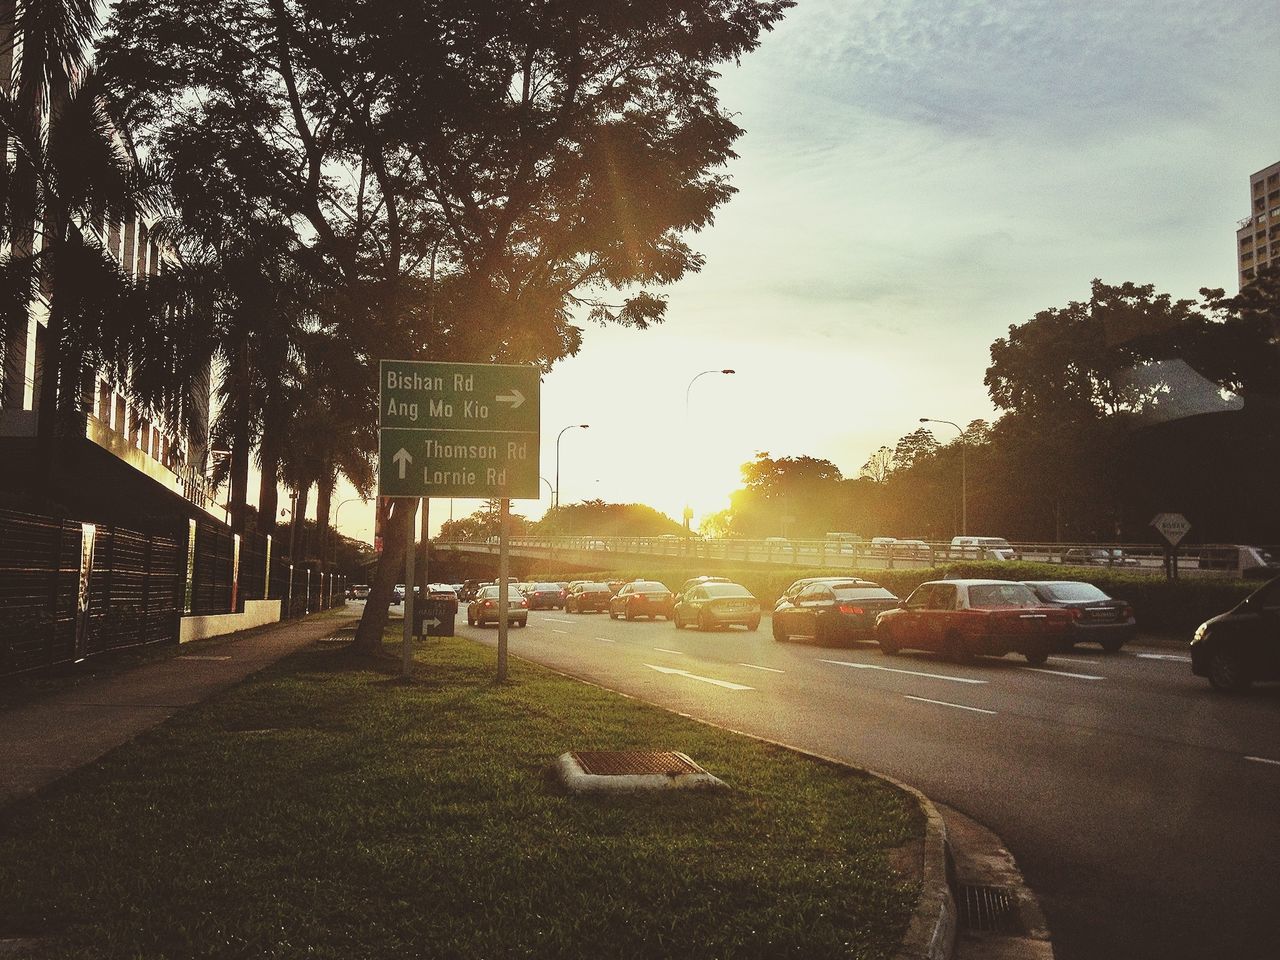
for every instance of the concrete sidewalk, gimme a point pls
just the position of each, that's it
(43, 739)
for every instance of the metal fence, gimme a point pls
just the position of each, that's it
(69, 590)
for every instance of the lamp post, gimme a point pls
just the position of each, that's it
(550, 488)
(572, 426)
(688, 511)
(334, 532)
(964, 469)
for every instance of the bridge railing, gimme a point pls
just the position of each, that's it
(1208, 560)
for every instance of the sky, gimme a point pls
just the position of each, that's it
(915, 177)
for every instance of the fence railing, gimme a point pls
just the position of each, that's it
(69, 590)
(1223, 560)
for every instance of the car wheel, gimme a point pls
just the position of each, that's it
(1227, 673)
(1112, 646)
(1037, 659)
(779, 632)
(626, 612)
(522, 623)
(470, 622)
(675, 618)
(704, 622)
(753, 625)
(887, 645)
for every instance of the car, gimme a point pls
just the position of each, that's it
(792, 591)
(981, 548)
(397, 594)
(360, 591)
(615, 585)
(831, 611)
(484, 608)
(967, 618)
(1098, 557)
(443, 591)
(695, 581)
(716, 603)
(1099, 618)
(587, 595)
(1235, 648)
(469, 589)
(545, 596)
(642, 598)
(1249, 563)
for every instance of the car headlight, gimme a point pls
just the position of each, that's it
(1200, 633)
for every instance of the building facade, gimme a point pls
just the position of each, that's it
(1258, 235)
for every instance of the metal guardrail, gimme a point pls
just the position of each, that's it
(1222, 560)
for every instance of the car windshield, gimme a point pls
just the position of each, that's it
(726, 590)
(648, 586)
(544, 587)
(592, 587)
(488, 593)
(990, 595)
(845, 592)
(1072, 591)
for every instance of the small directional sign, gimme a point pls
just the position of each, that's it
(1172, 526)
(458, 430)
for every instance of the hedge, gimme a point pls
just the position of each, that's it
(1158, 604)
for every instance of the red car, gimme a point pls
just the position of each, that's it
(642, 598)
(586, 596)
(966, 618)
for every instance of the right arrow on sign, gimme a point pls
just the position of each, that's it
(515, 398)
(402, 459)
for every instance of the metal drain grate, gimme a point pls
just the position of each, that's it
(620, 763)
(989, 909)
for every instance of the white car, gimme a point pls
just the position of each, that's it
(981, 548)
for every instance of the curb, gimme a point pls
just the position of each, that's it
(931, 931)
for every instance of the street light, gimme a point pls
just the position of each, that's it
(334, 531)
(964, 500)
(572, 426)
(688, 512)
(550, 488)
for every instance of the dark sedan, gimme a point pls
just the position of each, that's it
(833, 611)
(789, 595)
(1099, 618)
(545, 596)
(1242, 645)
(713, 605)
(586, 596)
(642, 598)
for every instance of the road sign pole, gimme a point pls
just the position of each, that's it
(410, 548)
(503, 569)
(424, 539)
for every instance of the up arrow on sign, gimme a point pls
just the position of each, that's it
(1172, 526)
(402, 459)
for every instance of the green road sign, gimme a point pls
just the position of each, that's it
(458, 430)
(458, 396)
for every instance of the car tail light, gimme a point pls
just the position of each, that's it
(524, 603)
(1127, 612)
(846, 608)
(488, 603)
(1076, 613)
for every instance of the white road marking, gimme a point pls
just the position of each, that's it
(1264, 760)
(1163, 656)
(728, 685)
(944, 703)
(1063, 673)
(606, 640)
(554, 620)
(912, 673)
(665, 650)
(1057, 659)
(565, 632)
(192, 656)
(756, 666)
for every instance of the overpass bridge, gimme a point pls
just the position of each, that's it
(629, 553)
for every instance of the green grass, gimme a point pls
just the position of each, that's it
(323, 809)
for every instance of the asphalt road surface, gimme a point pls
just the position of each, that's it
(1143, 808)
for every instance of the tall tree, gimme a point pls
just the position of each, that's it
(516, 162)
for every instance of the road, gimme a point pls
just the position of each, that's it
(1141, 806)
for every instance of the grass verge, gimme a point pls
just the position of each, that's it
(323, 809)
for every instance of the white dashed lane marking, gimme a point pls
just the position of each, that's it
(727, 684)
(1275, 763)
(1063, 673)
(958, 706)
(1163, 656)
(665, 650)
(756, 666)
(554, 620)
(605, 640)
(565, 632)
(910, 673)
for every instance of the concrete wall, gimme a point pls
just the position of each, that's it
(257, 613)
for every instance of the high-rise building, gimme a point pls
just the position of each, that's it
(1258, 238)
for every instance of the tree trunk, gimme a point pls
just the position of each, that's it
(298, 537)
(390, 568)
(268, 492)
(324, 503)
(240, 443)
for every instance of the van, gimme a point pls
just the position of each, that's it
(1249, 563)
(981, 548)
